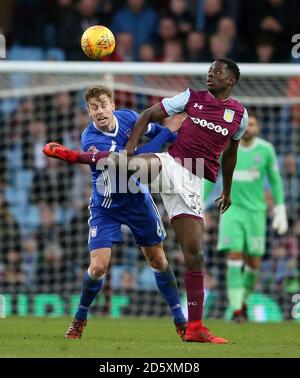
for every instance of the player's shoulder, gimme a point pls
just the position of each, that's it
(265, 147)
(88, 135)
(196, 93)
(88, 130)
(264, 144)
(238, 106)
(126, 114)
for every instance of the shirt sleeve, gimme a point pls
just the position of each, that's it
(156, 144)
(275, 178)
(82, 143)
(242, 127)
(87, 145)
(176, 104)
(153, 129)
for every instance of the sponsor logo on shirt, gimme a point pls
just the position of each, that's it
(210, 125)
(196, 105)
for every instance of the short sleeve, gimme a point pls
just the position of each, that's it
(243, 125)
(176, 104)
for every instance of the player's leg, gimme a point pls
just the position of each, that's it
(93, 280)
(183, 204)
(150, 239)
(146, 167)
(231, 240)
(255, 249)
(91, 285)
(250, 276)
(234, 284)
(189, 232)
(166, 283)
(104, 231)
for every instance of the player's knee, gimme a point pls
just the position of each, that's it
(158, 262)
(235, 256)
(254, 264)
(98, 270)
(194, 259)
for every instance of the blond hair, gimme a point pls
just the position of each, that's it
(97, 91)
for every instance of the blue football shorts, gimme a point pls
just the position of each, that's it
(144, 221)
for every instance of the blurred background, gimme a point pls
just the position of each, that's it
(162, 31)
(43, 202)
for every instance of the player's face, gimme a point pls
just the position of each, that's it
(219, 78)
(101, 111)
(252, 130)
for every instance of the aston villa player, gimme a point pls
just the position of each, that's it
(215, 125)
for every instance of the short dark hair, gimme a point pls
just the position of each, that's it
(252, 113)
(232, 66)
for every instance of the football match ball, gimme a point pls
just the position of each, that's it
(97, 41)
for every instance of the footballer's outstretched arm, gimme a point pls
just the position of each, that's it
(155, 113)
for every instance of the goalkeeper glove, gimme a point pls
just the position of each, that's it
(280, 223)
(61, 152)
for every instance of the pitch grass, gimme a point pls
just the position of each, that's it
(142, 337)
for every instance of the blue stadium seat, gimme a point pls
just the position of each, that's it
(23, 179)
(63, 215)
(17, 52)
(146, 280)
(20, 80)
(54, 53)
(116, 275)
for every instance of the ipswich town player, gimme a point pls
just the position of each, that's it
(109, 131)
(215, 124)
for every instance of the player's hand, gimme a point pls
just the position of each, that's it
(174, 122)
(58, 151)
(280, 223)
(223, 202)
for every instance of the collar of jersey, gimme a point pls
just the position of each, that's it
(110, 134)
(228, 98)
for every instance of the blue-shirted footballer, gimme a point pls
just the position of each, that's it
(109, 131)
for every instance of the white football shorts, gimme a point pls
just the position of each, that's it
(180, 190)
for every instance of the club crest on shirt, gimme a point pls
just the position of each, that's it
(93, 231)
(128, 132)
(228, 115)
(257, 159)
(93, 149)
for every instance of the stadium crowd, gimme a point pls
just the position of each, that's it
(160, 31)
(44, 203)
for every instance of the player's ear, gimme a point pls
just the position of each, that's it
(231, 80)
(113, 105)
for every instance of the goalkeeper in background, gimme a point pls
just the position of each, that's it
(242, 228)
